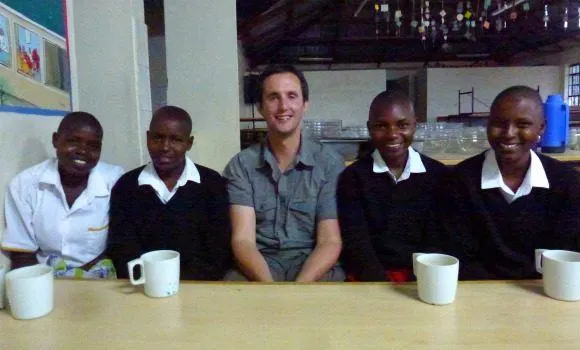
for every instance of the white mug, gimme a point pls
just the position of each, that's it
(30, 291)
(159, 272)
(560, 271)
(436, 277)
(2, 274)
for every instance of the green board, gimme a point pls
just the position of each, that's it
(47, 13)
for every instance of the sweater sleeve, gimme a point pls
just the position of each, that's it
(359, 255)
(213, 258)
(124, 243)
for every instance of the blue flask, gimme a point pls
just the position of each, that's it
(557, 123)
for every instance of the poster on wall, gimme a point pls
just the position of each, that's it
(4, 41)
(55, 66)
(28, 52)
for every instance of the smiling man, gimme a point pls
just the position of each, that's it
(57, 211)
(171, 203)
(282, 193)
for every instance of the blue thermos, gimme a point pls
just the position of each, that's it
(557, 123)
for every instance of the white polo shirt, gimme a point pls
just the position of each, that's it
(491, 177)
(148, 176)
(414, 165)
(38, 218)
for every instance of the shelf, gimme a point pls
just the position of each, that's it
(344, 140)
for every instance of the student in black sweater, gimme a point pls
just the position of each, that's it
(509, 201)
(171, 203)
(386, 199)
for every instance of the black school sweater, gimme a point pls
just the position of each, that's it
(195, 222)
(496, 240)
(383, 222)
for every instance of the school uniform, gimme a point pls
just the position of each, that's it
(384, 219)
(39, 219)
(494, 230)
(192, 219)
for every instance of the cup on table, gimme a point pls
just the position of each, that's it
(560, 271)
(159, 272)
(436, 277)
(30, 291)
(2, 274)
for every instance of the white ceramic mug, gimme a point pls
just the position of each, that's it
(30, 291)
(436, 277)
(2, 274)
(159, 272)
(560, 271)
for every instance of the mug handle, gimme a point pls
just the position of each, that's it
(415, 256)
(539, 259)
(130, 265)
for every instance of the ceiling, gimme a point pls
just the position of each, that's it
(355, 31)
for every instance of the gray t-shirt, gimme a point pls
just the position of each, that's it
(287, 205)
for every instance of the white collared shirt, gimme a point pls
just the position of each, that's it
(414, 165)
(148, 176)
(38, 217)
(491, 177)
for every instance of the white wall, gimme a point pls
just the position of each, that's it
(344, 95)
(347, 94)
(110, 72)
(444, 83)
(202, 74)
(25, 139)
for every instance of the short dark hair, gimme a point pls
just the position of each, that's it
(175, 113)
(390, 97)
(78, 119)
(519, 91)
(278, 69)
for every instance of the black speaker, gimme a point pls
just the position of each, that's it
(251, 89)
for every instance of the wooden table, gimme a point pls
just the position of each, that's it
(111, 315)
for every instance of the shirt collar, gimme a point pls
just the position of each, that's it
(96, 185)
(305, 154)
(149, 176)
(491, 175)
(414, 165)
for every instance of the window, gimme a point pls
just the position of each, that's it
(574, 85)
